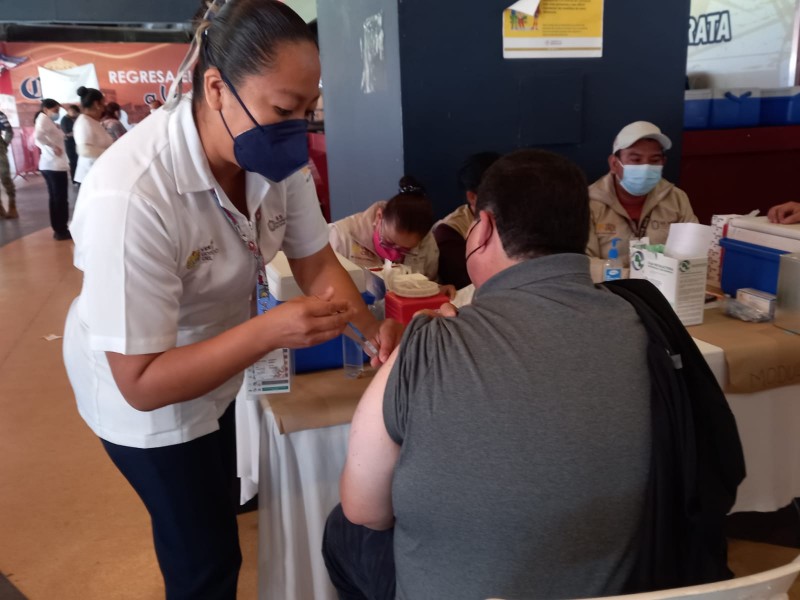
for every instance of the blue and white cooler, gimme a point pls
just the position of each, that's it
(281, 286)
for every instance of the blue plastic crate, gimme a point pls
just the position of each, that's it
(696, 109)
(746, 265)
(735, 108)
(780, 106)
(327, 355)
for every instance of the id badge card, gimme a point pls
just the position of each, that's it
(270, 374)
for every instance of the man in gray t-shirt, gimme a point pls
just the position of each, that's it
(504, 452)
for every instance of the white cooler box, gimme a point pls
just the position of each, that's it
(759, 231)
(282, 287)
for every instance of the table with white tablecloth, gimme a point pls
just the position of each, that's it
(296, 475)
(297, 478)
(299, 486)
(769, 427)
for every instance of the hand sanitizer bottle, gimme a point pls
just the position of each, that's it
(612, 268)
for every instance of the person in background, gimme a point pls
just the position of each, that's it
(53, 165)
(67, 123)
(486, 459)
(91, 138)
(155, 104)
(172, 230)
(6, 135)
(398, 230)
(111, 121)
(451, 232)
(787, 213)
(633, 201)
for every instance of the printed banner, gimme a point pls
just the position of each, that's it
(62, 86)
(553, 29)
(741, 43)
(130, 74)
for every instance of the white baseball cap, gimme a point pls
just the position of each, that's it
(639, 130)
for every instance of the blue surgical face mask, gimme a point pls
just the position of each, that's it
(639, 180)
(273, 151)
(53, 117)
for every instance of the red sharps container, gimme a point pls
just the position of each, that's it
(403, 307)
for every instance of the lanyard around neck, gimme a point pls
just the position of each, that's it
(250, 244)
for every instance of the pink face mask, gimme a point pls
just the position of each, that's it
(393, 254)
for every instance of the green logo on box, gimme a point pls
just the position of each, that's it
(685, 265)
(637, 262)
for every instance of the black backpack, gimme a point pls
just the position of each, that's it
(697, 461)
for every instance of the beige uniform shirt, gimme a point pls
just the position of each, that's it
(665, 205)
(352, 238)
(459, 220)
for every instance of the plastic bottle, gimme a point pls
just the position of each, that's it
(612, 268)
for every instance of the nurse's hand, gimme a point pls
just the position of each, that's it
(308, 320)
(386, 339)
(445, 310)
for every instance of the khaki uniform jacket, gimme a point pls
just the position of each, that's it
(665, 205)
(352, 238)
(459, 220)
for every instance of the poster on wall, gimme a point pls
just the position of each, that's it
(553, 29)
(130, 74)
(741, 43)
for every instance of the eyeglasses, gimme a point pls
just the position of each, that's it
(391, 245)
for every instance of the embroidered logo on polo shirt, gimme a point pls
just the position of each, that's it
(276, 223)
(203, 254)
(606, 229)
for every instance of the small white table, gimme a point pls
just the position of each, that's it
(299, 487)
(296, 476)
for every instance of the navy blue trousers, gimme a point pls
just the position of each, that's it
(360, 561)
(191, 493)
(57, 182)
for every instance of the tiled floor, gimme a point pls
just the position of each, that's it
(32, 208)
(70, 526)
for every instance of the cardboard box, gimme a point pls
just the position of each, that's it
(682, 281)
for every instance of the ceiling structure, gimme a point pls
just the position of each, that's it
(108, 21)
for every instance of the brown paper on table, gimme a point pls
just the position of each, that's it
(759, 356)
(320, 399)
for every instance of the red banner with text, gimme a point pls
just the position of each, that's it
(130, 74)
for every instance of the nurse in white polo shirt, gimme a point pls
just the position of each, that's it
(170, 229)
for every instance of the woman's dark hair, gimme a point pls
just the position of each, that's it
(112, 108)
(89, 96)
(243, 37)
(410, 210)
(540, 202)
(472, 169)
(47, 104)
